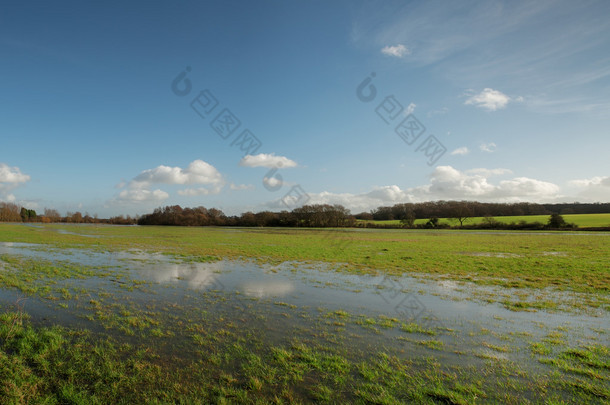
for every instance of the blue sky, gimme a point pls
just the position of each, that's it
(497, 101)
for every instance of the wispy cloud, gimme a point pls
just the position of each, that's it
(236, 187)
(490, 42)
(566, 105)
(441, 111)
(488, 147)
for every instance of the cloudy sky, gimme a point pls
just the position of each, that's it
(118, 108)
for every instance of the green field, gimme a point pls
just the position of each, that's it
(111, 314)
(582, 220)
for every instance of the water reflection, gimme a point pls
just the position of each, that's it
(266, 289)
(196, 276)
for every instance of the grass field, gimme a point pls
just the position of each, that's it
(110, 314)
(582, 220)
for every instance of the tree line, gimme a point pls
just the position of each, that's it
(447, 209)
(318, 215)
(10, 212)
(327, 215)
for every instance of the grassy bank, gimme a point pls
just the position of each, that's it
(582, 220)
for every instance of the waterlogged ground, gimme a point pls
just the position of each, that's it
(232, 328)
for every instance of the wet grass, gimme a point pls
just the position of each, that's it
(60, 365)
(122, 343)
(564, 262)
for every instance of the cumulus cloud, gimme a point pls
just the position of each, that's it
(267, 160)
(446, 183)
(488, 99)
(488, 147)
(595, 181)
(12, 175)
(140, 196)
(272, 182)
(11, 178)
(397, 51)
(595, 189)
(197, 172)
(139, 191)
(460, 151)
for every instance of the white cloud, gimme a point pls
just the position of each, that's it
(522, 187)
(12, 175)
(595, 189)
(140, 196)
(488, 147)
(197, 172)
(267, 160)
(410, 108)
(446, 183)
(489, 99)
(10, 178)
(595, 181)
(397, 51)
(272, 182)
(460, 151)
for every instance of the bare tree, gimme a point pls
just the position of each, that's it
(461, 212)
(52, 214)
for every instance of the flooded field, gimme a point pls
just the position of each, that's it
(245, 330)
